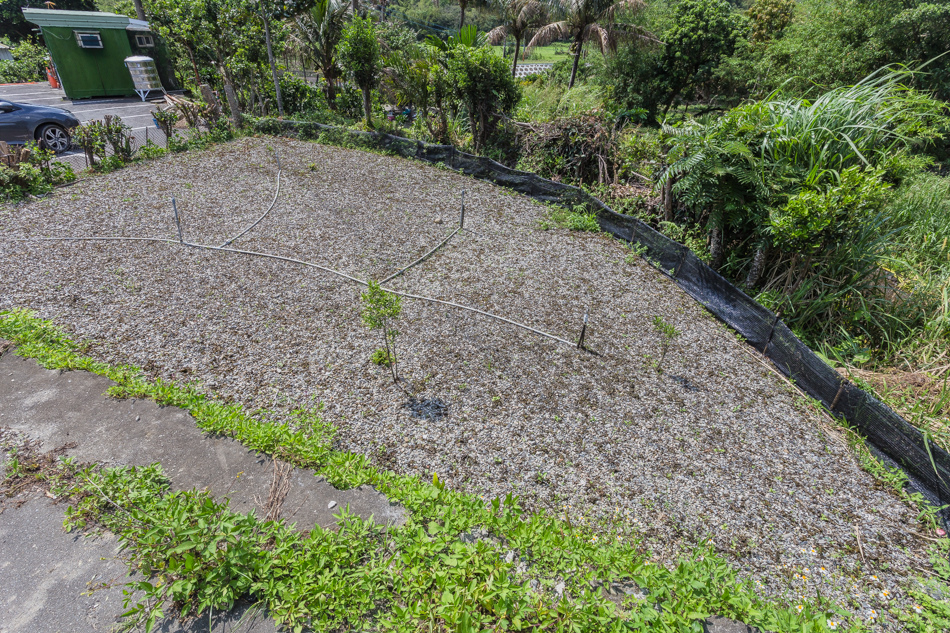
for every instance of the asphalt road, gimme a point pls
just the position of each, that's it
(134, 112)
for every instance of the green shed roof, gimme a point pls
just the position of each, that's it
(78, 19)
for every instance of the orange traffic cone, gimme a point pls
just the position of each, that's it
(52, 78)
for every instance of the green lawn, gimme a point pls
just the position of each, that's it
(551, 53)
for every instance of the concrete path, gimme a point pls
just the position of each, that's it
(54, 582)
(44, 571)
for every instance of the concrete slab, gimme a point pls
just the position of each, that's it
(58, 582)
(58, 407)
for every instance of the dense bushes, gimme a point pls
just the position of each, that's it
(28, 64)
(37, 175)
(792, 193)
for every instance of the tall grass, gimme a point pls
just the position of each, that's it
(920, 259)
(541, 101)
(922, 206)
(866, 123)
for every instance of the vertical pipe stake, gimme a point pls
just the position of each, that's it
(177, 221)
(462, 219)
(580, 341)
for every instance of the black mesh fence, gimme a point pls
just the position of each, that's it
(890, 436)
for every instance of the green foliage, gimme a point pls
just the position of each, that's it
(576, 219)
(300, 96)
(768, 19)
(697, 36)
(816, 219)
(546, 100)
(593, 21)
(382, 358)
(119, 138)
(150, 150)
(359, 55)
(418, 77)
(15, 28)
(319, 31)
(35, 177)
(380, 308)
(703, 32)
(668, 333)
(223, 41)
(90, 136)
(482, 82)
(836, 43)
(518, 18)
(783, 188)
(28, 64)
(166, 120)
(426, 17)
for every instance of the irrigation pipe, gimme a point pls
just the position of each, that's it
(273, 202)
(421, 259)
(293, 261)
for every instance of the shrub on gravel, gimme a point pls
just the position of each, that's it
(36, 176)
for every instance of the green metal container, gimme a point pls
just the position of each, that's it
(88, 49)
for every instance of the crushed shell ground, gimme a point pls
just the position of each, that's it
(716, 447)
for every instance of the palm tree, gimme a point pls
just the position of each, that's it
(591, 21)
(319, 30)
(518, 16)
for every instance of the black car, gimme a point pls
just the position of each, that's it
(22, 122)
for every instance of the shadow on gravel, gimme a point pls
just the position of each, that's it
(426, 408)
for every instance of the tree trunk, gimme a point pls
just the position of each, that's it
(514, 63)
(367, 107)
(758, 267)
(482, 129)
(233, 105)
(577, 58)
(668, 200)
(139, 10)
(715, 247)
(356, 7)
(273, 66)
(669, 103)
(462, 5)
(194, 66)
(474, 126)
(331, 92)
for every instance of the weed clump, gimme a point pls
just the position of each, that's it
(668, 334)
(573, 219)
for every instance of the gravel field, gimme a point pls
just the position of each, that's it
(717, 447)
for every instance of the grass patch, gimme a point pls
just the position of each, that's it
(512, 570)
(576, 219)
(545, 54)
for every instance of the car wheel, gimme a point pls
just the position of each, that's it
(54, 138)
